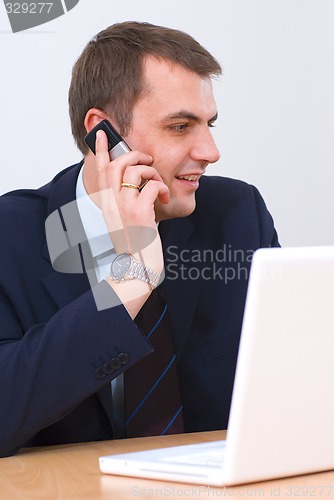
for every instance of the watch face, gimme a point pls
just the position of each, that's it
(120, 266)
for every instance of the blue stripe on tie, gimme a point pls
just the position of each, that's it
(151, 390)
(170, 423)
(157, 323)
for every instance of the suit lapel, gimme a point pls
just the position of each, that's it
(182, 295)
(65, 286)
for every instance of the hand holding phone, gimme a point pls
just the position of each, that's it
(116, 144)
(129, 215)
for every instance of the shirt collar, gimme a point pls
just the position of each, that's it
(92, 220)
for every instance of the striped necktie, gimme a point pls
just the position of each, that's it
(151, 389)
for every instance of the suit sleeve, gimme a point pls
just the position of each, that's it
(47, 371)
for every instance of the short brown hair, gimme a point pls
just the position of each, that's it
(108, 73)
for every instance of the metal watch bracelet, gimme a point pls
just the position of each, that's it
(126, 267)
(137, 270)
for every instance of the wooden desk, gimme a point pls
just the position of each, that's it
(72, 472)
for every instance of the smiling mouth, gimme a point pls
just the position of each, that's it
(189, 177)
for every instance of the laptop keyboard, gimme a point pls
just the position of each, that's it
(208, 457)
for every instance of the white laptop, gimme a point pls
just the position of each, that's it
(282, 415)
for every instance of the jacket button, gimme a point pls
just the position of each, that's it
(124, 358)
(107, 368)
(99, 373)
(115, 363)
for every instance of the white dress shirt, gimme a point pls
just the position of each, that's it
(101, 246)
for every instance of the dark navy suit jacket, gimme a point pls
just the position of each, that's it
(54, 341)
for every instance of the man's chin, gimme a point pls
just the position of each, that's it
(173, 210)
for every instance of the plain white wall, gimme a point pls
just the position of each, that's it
(276, 104)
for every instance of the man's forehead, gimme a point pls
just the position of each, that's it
(158, 68)
(177, 92)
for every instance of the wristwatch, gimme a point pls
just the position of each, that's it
(125, 267)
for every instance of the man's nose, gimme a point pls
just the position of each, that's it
(204, 148)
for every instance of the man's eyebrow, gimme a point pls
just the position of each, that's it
(188, 115)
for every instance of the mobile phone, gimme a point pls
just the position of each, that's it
(116, 144)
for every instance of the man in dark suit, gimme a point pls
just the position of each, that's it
(69, 308)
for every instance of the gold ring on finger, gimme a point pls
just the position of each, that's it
(129, 185)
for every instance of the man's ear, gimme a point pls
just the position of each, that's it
(93, 117)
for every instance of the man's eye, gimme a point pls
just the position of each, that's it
(211, 125)
(179, 128)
